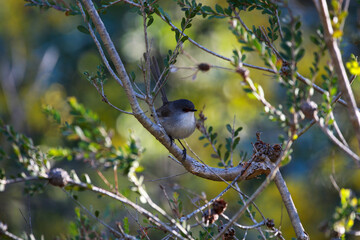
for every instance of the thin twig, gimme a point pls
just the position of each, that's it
(116, 233)
(143, 193)
(250, 213)
(299, 230)
(154, 219)
(165, 178)
(147, 53)
(116, 182)
(138, 223)
(336, 58)
(106, 100)
(5, 232)
(103, 178)
(199, 209)
(279, 25)
(257, 225)
(102, 54)
(343, 147)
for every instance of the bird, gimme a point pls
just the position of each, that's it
(176, 117)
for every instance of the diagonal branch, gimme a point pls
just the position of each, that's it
(274, 174)
(336, 58)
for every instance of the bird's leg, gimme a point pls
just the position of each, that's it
(184, 150)
(171, 140)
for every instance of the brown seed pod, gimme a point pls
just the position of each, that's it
(270, 223)
(204, 67)
(309, 108)
(58, 177)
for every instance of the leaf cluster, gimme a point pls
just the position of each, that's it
(91, 141)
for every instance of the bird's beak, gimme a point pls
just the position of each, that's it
(193, 110)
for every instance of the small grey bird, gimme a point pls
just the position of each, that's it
(177, 118)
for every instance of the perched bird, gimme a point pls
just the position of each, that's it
(177, 117)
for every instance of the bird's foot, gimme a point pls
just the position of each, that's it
(171, 140)
(184, 154)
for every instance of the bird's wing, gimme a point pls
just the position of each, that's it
(163, 111)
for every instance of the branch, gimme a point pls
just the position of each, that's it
(343, 147)
(154, 219)
(297, 225)
(5, 232)
(101, 51)
(116, 233)
(143, 193)
(290, 206)
(147, 74)
(199, 209)
(336, 58)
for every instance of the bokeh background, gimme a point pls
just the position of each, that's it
(42, 60)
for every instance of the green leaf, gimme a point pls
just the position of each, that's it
(177, 35)
(213, 136)
(315, 40)
(247, 89)
(85, 178)
(150, 21)
(300, 54)
(247, 49)
(228, 127)
(207, 9)
(163, 13)
(132, 76)
(236, 142)
(184, 38)
(228, 11)
(257, 45)
(238, 130)
(83, 29)
(226, 156)
(126, 225)
(219, 9)
(183, 23)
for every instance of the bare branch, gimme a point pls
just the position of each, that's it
(336, 58)
(116, 233)
(147, 53)
(143, 193)
(343, 147)
(300, 233)
(95, 189)
(5, 232)
(290, 206)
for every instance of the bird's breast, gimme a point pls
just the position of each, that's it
(179, 126)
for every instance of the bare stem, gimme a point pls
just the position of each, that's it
(336, 58)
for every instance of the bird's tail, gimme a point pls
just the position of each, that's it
(155, 70)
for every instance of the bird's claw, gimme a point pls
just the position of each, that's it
(184, 154)
(171, 141)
